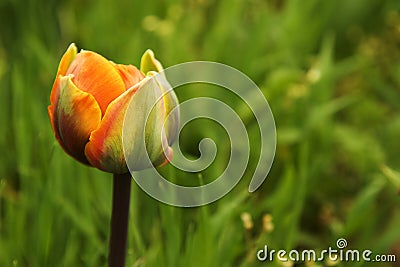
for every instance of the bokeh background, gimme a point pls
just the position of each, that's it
(330, 71)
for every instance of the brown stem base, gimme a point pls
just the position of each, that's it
(119, 220)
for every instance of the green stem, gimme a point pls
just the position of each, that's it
(119, 220)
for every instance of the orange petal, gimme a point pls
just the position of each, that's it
(129, 74)
(104, 149)
(97, 76)
(55, 95)
(74, 116)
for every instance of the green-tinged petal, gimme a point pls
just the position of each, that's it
(67, 59)
(145, 140)
(149, 62)
(65, 62)
(104, 149)
(76, 115)
(171, 110)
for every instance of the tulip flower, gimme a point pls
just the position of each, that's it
(89, 100)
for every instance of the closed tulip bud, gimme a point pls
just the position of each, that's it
(89, 101)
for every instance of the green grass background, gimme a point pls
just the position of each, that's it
(330, 71)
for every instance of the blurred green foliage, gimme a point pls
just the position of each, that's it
(330, 71)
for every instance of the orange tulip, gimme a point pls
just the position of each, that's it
(89, 100)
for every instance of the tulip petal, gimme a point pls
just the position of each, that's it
(130, 75)
(149, 62)
(75, 115)
(144, 147)
(97, 76)
(171, 111)
(67, 59)
(65, 62)
(104, 150)
(145, 141)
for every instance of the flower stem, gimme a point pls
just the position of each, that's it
(119, 220)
